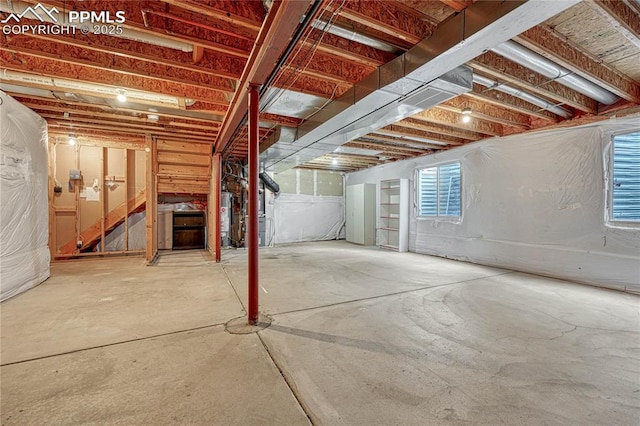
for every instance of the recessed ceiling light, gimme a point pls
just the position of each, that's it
(153, 117)
(334, 161)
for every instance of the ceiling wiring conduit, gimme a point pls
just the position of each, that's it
(527, 58)
(532, 99)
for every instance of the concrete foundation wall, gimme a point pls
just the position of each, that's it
(534, 203)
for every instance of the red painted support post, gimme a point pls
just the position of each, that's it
(217, 163)
(252, 227)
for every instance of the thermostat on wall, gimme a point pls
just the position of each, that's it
(74, 174)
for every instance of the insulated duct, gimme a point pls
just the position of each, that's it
(426, 75)
(354, 36)
(62, 84)
(528, 97)
(269, 183)
(538, 63)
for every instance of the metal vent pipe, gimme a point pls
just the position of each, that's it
(532, 99)
(538, 63)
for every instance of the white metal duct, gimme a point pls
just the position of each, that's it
(532, 99)
(428, 74)
(538, 63)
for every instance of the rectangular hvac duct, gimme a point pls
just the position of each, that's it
(426, 75)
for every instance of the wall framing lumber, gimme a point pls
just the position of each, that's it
(151, 200)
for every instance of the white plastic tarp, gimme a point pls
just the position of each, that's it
(299, 218)
(115, 240)
(533, 203)
(24, 212)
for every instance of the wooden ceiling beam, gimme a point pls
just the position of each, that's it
(281, 120)
(399, 140)
(487, 111)
(504, 70)
(457, 5)
(64, 105)
(330, 67)
(434, 11)
(328, 160)
(97, 113)
(311, 85)
(56, 69)
(276, 31)
(552, 45)
(332, 168)
(413, 123)
(347, 49)
(85, 137)
(159, 26)
(217, 64)
(102, 61)
(387, 18)
(244, 14)
(379, 146)
(504, 100)
(131, 125)
(448, 118)
(421, 134)
(73, 128)
(624, 19)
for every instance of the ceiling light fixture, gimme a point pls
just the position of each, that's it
(72, 140)
(334, 161)
(121, 95)
(466, 115)
(153, 117)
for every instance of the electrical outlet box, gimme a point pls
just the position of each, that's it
(75, 174)
(79, 244)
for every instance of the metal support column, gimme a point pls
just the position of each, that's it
(217, 164)
(252, 226)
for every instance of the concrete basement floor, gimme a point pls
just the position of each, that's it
(359, 336)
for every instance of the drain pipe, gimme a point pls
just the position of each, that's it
(529, 59)
(532, 99)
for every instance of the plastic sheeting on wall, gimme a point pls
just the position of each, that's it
(137, 234)
(24, 210)
(298, 218)
(534, 203)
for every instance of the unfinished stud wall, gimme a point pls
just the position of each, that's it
(310, 207)
(533, 203)
(90, 208)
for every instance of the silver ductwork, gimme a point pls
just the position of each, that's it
(538, 63)
(532, 99)
(354, 36)
(426, 75)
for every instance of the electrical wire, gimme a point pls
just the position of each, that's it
(296, 72)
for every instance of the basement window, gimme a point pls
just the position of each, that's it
(439, 191)
(625, 182)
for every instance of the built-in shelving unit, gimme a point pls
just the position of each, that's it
(393, 219)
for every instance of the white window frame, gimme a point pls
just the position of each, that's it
(419, 216)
